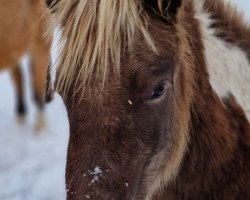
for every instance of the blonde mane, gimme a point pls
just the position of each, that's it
(92, 36)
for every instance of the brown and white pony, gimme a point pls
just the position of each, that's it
(22, 30)
(157, 94)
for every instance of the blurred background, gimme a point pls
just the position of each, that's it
(32, 165)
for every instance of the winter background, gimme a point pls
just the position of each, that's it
(32, 165)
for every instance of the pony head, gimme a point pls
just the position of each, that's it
(126, 76)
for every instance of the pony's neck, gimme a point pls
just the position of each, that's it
(216, 162)
(217, 159)
(227, 50)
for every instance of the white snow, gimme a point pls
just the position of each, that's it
(96, 174)
(243, 5)
(32, 166)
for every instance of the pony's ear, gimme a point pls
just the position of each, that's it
(166, 8)
(49, 3)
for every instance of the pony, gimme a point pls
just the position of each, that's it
(22, 30)
(157, 95)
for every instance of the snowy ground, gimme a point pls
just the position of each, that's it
(243, 5)
(32, 166)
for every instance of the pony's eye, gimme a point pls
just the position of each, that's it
(158, 91)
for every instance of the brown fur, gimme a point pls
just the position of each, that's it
(217, 163)
(188, 144)
(22, 31)
(229, 24)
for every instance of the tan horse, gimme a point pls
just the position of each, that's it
(22, 25)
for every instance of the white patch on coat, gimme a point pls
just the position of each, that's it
(228, 65)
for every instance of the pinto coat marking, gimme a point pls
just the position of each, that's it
(189, 142)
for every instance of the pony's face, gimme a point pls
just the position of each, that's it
(125, 138)
(127, 129)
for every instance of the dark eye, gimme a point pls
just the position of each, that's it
(158, 91)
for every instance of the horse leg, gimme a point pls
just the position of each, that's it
(49, 87)
(39, 83)
(40, 62)
(19, 85)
